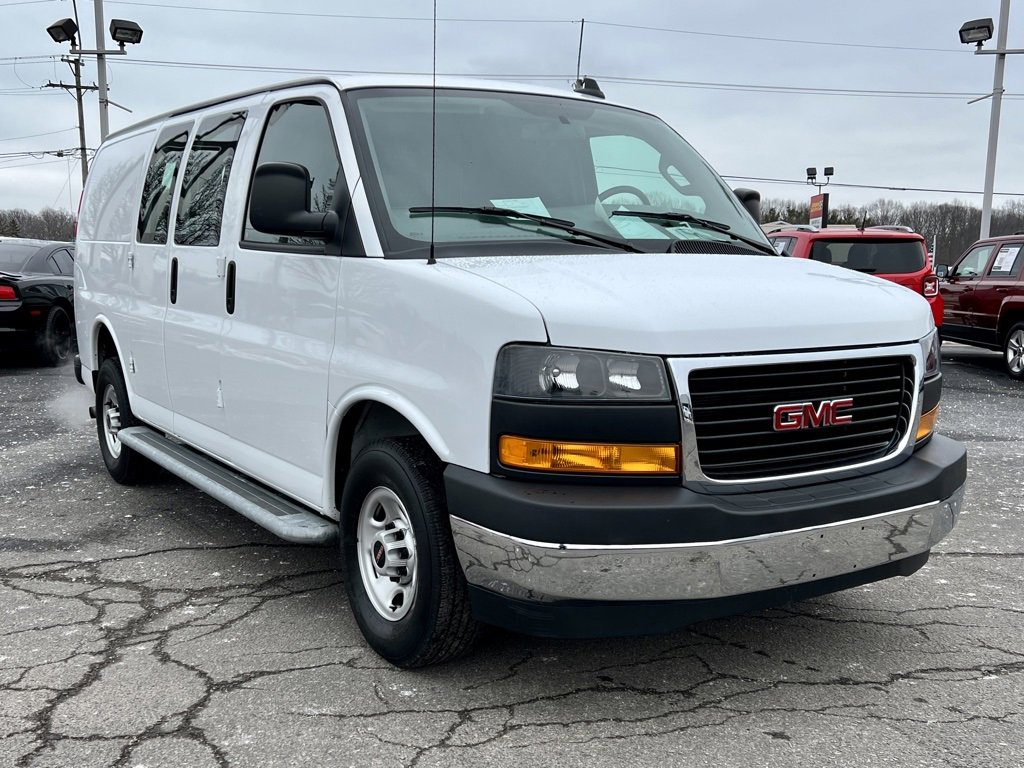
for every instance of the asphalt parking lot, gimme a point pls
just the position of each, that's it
(153, 627)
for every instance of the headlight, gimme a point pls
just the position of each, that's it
(552, 373)
(932, 354)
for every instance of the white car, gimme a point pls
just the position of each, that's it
(522, 349)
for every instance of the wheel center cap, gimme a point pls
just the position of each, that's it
(378, 554)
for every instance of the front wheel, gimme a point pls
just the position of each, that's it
(1013, 351)
(403, 578)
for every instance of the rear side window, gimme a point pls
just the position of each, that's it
(201, 207)
(300, 132)
(1007, 261)
(881, 257)
(155, 211)
(65, 263)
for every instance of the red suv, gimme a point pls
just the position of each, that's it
(896, 253)
(984, 297)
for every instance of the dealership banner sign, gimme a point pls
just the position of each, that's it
(819, 210)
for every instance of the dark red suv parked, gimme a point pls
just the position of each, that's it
(896, 253)
(984, 298)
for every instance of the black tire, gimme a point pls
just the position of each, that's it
(436, 624)
(56, 345)
(1013, 352)
(113, 412)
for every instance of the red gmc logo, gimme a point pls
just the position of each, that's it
(805, 415)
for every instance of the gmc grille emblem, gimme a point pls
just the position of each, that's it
(806, 415)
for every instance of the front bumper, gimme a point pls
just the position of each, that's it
(633, 545)
(699, 570)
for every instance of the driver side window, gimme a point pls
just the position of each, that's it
(629, 172)
(973, 264)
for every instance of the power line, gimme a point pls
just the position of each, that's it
(759, 38)
(693, 84)
(871, 186)
(33, 165)
(36, 135)
(310, 14)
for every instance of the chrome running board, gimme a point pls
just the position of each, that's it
(270, 510)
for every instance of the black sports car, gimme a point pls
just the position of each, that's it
(37, 289)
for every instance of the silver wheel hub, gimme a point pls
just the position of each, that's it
(1015, 351)
(386, 551)
(110, 412)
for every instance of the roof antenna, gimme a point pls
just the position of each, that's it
(586, 85)
(579, 54)
(433, 141)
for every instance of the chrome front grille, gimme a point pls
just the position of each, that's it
(734, 415)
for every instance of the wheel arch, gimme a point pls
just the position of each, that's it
(1011, 313)
(363, 417)
(104, 344)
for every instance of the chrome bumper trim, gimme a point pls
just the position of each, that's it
(540, 571)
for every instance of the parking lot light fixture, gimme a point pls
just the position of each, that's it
(63, 31)
(978, 31)
(124, 31)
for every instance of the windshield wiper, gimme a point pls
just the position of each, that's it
(505, 214)
(716, 226)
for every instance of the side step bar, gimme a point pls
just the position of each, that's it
(270, 510)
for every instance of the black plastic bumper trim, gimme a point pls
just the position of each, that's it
(589, 514)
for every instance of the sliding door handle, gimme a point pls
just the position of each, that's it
(174, 280)
(229, 301)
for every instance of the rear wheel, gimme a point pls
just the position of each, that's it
(113, 413)
(1013, 351)
(404, 582)
(55, 346)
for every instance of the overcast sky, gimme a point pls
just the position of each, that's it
(705, 67)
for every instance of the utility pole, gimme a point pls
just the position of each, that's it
(79, 89)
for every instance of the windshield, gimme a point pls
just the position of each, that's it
(882, 257)
(13, 256)
(542, 155)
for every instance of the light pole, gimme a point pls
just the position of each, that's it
(977, 32)
(819, 202)
(122, 31)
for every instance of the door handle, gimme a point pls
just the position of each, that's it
(174, 280)
(229, 299)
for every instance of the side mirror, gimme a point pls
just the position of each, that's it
(942, 271)
(780, 248)
(280, 203)
(751, 200)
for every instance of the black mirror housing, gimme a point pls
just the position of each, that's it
(751, 200)
(280, 203)
(942, 271)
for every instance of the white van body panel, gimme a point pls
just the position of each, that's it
(107, 226)
(608, 301)
(428, 335)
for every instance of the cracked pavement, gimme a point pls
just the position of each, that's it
(151, 626)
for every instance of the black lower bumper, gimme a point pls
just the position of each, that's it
(610, 515)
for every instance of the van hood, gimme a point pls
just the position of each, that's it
(684, 304)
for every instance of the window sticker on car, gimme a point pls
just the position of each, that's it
(532, 205)
(1005, 260)
(636, 229)
(686, 232)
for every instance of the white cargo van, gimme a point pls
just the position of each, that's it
(522, 352)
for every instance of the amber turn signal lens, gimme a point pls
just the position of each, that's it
(593, 458)
(927, 424)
